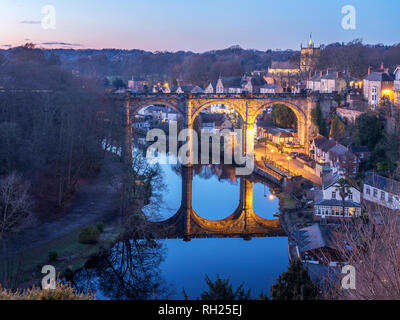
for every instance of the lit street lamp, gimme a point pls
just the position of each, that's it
(288, 159)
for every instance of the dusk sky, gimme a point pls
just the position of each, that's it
(196, 25)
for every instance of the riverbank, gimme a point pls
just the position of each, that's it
(23, 255)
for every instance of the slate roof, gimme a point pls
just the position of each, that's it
(232, 82)
(383, 183)
(328, 145)
(339, 150)
(315, 78)
(337, 203)
(314, 237)
(357, 149)
(319, 141)
(269, 86)
(333, 177)
(379, 76)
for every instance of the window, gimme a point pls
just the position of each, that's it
(361, 155)
(333, 195)
(368, 191)
(390, 198)
(375, 193)
(350, 196)
(374, 95)
(383, 195)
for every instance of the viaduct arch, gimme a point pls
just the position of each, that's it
(247, 105)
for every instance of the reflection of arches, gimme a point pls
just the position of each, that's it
(186, 223)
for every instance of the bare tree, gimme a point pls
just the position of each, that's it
(370, 244)
(15, 203)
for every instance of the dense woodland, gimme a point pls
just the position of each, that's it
(52, 125)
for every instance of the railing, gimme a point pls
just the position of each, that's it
(273, 163)
(245, 95)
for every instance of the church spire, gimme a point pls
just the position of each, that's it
(310, 44)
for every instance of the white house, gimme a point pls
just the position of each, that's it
(219, 88)
(332, 81)
(329, 202)
(314, 82)
(211, 88)
(382, 191)
(376, 85)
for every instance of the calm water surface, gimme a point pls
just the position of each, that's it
(184, 265)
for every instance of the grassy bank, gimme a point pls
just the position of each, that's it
(25, 269)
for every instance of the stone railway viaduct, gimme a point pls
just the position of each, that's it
(186, 223)
(247, 105)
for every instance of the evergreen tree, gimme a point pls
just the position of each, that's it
(294, 284)
(221, 289)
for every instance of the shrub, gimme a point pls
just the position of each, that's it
(89, 235)
(53, 255)
(100, 226)
(61, 292)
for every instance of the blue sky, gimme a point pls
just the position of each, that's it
(197, 25)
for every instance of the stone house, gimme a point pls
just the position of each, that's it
(377, 85)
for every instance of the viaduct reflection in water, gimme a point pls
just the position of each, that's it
(243, 222)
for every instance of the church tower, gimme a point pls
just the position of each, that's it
(309, 56)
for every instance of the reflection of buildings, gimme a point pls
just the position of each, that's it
(244, 223)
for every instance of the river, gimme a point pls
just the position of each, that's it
(176, 265)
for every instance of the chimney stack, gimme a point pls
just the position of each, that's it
(382, 66)
(369, 70)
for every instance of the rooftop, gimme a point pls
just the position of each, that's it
(379, 76)
(382, 183)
